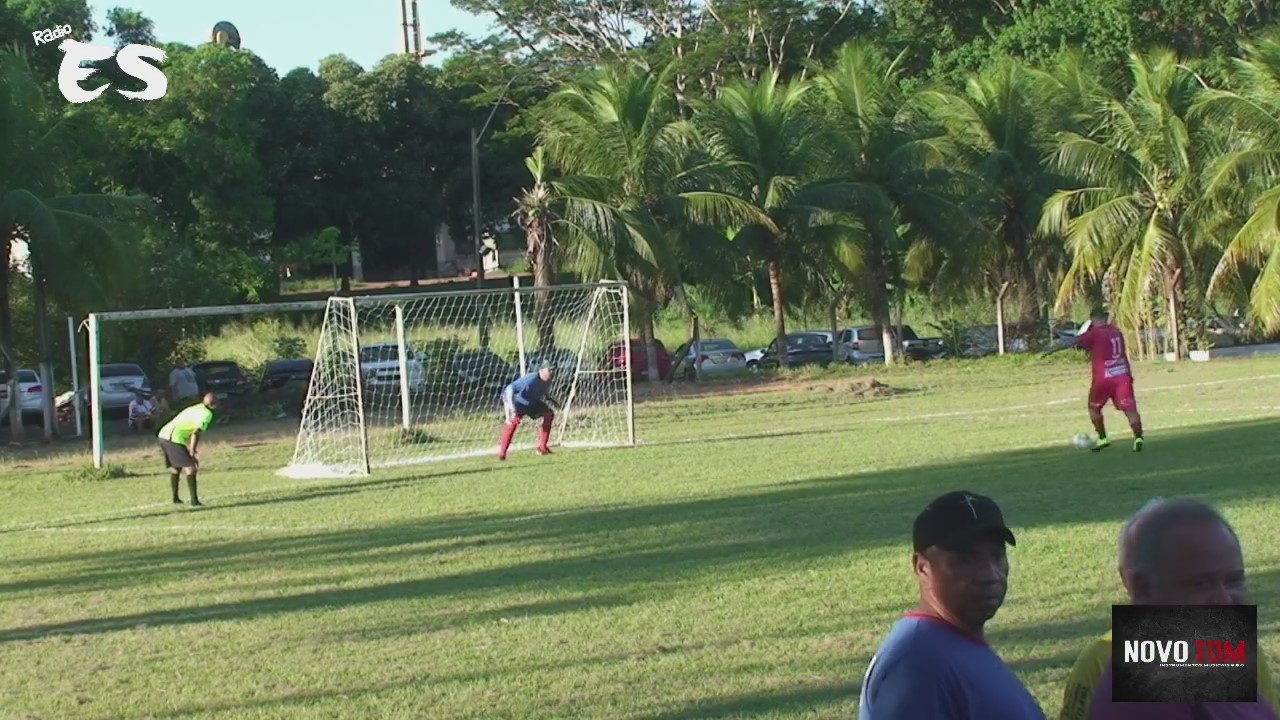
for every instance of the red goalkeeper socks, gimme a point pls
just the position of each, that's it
(508, 432)
(544, 433)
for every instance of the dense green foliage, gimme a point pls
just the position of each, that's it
(806, 154)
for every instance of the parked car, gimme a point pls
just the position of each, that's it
(865, 344)
(380, 368)
(753, 357)
(718, 355)
(809, 348)
(30, 395)
(483, 368)
(615, 358)
(564, 362)
(120, 382)
(223, 378)
(279, 373)
(861, 345)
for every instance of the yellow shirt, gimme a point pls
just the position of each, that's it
(179, 430)
(1093, 662)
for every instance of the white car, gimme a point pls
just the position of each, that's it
(862, 345)
(718, 356)
(380, 368)
(30, 393)
(118, 381)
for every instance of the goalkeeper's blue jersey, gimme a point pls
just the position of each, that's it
(527, 390)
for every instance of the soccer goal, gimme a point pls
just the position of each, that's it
(228, 349)
(410, 379)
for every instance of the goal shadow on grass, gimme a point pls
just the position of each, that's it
(632, 553)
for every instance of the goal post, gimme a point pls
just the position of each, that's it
(407, 379)
(133, 346)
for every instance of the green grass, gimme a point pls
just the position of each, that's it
(744, 561)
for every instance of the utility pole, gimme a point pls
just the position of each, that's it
(409, 22)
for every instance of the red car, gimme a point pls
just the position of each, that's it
(615, 358)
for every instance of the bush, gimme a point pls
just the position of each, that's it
(287, 347)
(89, 473)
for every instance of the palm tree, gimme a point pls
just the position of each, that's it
(536, 214)
(895, 173)
(71, 241)
(771, 152)
(1133, 224)
(1247, 177)
(627, 187)
(998, 125)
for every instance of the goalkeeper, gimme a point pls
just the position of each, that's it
(527, 397)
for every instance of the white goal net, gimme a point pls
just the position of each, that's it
(403, 380)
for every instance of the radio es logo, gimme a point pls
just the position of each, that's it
(130, 59)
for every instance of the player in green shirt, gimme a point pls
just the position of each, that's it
(180, 441)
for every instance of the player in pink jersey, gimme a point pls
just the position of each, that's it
(1112, 376)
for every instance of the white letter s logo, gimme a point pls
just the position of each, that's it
(130, 61)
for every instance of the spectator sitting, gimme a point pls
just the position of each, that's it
(142, 412)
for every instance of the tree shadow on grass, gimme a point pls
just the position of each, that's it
(647, 550)
(318, 490)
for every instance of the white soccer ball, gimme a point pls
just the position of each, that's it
(1082, 442)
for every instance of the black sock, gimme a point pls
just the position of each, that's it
(191, 488)
(173, 485)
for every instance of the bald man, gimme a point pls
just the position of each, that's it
(1093, 661)
(180, 443)
(1140, 546)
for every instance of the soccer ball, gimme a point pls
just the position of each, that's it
(1082, 442)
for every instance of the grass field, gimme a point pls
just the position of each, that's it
(744, 561)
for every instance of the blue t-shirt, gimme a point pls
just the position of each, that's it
(928, 670)
(528, 389)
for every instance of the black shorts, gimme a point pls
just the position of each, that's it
(535, 409)
(176, 456)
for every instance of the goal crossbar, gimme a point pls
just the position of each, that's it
(94, 322)
(409, 379)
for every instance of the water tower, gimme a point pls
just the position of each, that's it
(224, 33)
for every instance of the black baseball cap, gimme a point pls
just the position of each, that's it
(956, 519)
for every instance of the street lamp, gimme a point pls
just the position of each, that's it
(475, 173)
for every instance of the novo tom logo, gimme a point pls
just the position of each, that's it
(1184, 653)
(1178, 652)
(130, 60)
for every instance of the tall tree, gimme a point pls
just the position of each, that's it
(896, 171)
(772, 150)
(73, 253)
(617, 138)
(1134, 224)
(999, 124)
(1245, 180)
(535, 212)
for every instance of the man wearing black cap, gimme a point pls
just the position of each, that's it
(934, 664)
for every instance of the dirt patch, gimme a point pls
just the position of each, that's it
(859, 389)
(681, 390)
(850, 388)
